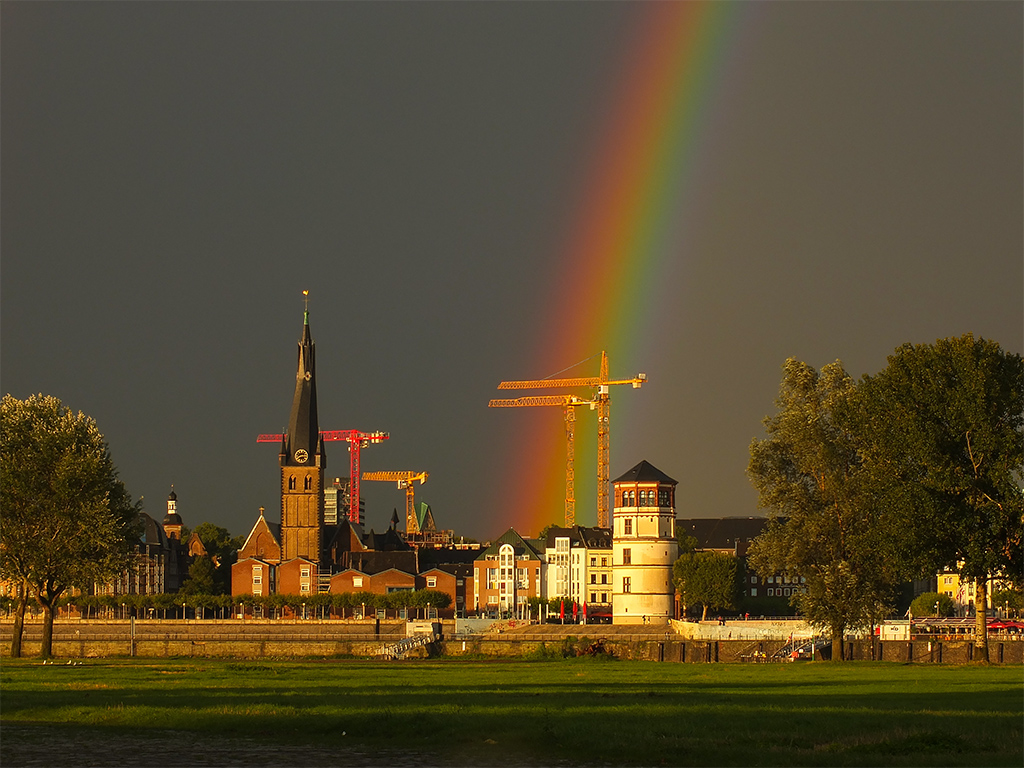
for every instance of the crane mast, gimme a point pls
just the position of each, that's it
(403, 480)
(602, 403)
(569, 404)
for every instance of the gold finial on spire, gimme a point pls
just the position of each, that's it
(305, 298)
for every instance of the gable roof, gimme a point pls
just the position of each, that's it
(532, 548)
(645, 472)
(346, 536)
(274, 529)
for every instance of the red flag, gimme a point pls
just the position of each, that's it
(584, 612)
(561, 610)
(575, 607)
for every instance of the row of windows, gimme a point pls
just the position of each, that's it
(660, 497)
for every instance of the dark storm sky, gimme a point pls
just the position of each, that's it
(173, 175)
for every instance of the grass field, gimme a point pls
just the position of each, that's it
(581, 711)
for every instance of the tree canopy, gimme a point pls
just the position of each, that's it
(825, 523)
(708, 579)
(944, 436)
(67, 519)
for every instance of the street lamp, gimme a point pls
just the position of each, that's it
(936, 609)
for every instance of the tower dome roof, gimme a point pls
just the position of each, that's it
(645, 472)
(172, 518)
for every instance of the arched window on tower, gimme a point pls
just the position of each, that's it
(307, 483)
(291, 483)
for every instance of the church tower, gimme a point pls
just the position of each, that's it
(303, 461)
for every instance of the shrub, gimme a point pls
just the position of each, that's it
(924, 605)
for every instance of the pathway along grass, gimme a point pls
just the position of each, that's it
(580, 711)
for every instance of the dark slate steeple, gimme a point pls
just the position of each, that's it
(303, 445)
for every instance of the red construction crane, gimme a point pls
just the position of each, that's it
(601, 383)
(356, 442)
(569, 404)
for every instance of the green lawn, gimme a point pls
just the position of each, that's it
(583, 711)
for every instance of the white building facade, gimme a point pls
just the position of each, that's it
(578, 568)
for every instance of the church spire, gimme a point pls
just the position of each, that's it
(304, 447)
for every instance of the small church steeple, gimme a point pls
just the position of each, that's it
(303, 446)
(172, 520)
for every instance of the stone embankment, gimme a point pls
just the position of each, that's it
(736, 641)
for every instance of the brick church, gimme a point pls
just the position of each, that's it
(301, 554)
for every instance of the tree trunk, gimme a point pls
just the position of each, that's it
(980, 621)
(47, 596)
(46, 652)
(837, 644)
(19, 621)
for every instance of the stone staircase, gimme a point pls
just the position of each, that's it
(397, 650)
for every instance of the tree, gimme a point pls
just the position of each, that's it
(220, 545)
(67, 519)
(709, 579)
(1012, 600)
(825, 524)
(945, 423)
(201, 578)
(546, 530)
(924, 605)
(685, 541)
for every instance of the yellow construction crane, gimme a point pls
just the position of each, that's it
(601, 384)
(569, 404)
(404, 480)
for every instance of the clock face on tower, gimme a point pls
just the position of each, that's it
(301, 456)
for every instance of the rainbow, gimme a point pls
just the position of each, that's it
(627, 234)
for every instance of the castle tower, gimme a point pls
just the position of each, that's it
(303, 462)
(172, 520)
(643, 546)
